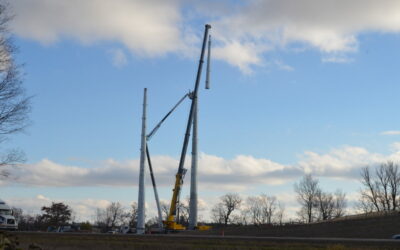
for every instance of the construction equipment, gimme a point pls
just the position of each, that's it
(170, 223)
(153, 181)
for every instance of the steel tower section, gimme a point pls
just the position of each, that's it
(140, 228)
(193, 173)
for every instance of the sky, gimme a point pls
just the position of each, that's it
(297, 87)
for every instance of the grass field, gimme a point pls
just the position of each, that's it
(376, 227)
(61, 241)
(368, 227)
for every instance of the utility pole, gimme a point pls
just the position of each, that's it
(140, 228)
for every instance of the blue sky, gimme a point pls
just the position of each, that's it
(291, 94)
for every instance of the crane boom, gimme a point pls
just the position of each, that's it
(153, 181)
(170, 223)
(148, 137)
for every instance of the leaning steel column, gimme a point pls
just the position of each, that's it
(140, 229)
(193, 174)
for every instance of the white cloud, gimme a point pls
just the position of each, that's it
(329, 26)
(343, 162)
(395, 147)
(148, 28)
(242, 55)
(244, 31)
(30, 205)
(214, 173)
(282, 66)
(391, 132)
(337, 58)
(118, 57)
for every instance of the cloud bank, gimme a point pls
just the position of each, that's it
(214, 173)
(147, 28)
(244, 31)
(391, 132)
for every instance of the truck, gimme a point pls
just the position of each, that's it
(7, 219)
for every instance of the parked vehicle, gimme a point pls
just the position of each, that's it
(64, 229)
(7, 219)
(396, 237)
(113, 231)
(127, 230)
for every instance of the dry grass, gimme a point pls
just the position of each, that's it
(102, 242)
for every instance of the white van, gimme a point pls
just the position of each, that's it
(7, 219)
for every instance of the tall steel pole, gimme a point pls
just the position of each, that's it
(140, 229)
(181, 169)
(193, 173)
(193, 180)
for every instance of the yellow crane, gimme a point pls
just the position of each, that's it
(171, 224)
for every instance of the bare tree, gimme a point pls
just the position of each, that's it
(280, 213)
(222, 211)
(380, 191)
(240, 217)
(261, 209)
(330, 205)
(184, 212)
(324, 205)
(254, 209)
(218, 213)
(14, 105)
(269, 206)
(183, 208)
(131, 217)
(17, 213)
(340, 204)
(111, 216)
(152, 222)
(115, 212)
(392, 170)
(369, 195)
(28, 222)
(164, 209)
(237, 219)
(382, 185)
(364, 205)
(307, 190)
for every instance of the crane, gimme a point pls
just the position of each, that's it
(148, 137)
(170, 223)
